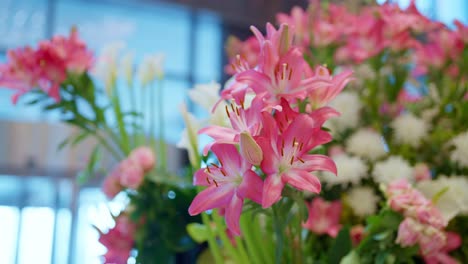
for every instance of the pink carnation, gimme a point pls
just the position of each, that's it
(143, 156)
(119, 240)
(131, 174)
(111, 185)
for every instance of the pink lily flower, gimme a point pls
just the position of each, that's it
(453, 242)
(242, 121)
(228, 186)
(288, 161)
(324, 217)
(322, 95)
(45, 67)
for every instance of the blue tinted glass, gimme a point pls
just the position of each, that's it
(144, 28)
(22, 22)
(208, 48)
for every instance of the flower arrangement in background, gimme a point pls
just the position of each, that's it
(399, 145)
(103, 100)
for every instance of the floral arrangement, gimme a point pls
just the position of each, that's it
(340, 138)
(396, 135)
(102, 99)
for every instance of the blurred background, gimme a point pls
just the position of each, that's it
(45, 216)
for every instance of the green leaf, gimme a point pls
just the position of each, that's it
(351, 258)
(340, 247)
(197, 232)
(63, 144)
(80, 137)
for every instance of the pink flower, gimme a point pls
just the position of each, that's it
(45, 67)
(111, 185)
(408, 232)
(143, 156)
(242, 121)
(118, 243)
(228, 186)
(131, 174)
(453, 241)
(324, 217)
(357, 233)
(299, 21)
(242, 55)
(321, 96)
(288, 161)
(421, 172)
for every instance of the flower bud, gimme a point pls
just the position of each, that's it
(250, 150)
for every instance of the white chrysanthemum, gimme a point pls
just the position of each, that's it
(452, 192)
(348, 104)
(367, 144)
(391, 169)
(350, 170)
(363, 201)
(409, 129)
(460, 153)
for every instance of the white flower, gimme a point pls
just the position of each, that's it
(453, 199)
(367, 144)
(126, 67)
(409, 129)
(206, 96)
(106, 65)
(348, 104)
(460, 153)
(151, 69)
(189, 138)
(362, 200)
(391, 169)
(350, 170)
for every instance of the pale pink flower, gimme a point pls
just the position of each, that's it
(421, 172)
(228, 185)
(143, 156)
(322, 95)
(453, 242)
(242, 55)
(111, 185)
(408, 232)
(131, 174)
(324, 217)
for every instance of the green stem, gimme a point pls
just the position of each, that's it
(109, 148)
(134, 109)
(254, 248)
(214, 247)
(143, 113)
(278, 227)
(152, 116)
(162, 141)
(242, 251)
(224, 238)
(120, 122)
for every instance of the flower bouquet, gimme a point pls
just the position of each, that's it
(398, 149)
(102, 100)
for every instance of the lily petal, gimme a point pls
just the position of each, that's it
(272, 189)
(302, 180)
(232, 214)
(211, 197)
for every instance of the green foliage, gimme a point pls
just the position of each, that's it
(379, 244)
(340, 247)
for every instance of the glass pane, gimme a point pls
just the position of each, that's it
(209, 48)
(22, 22)
(37, 224)
(9, 217)
(145, 28)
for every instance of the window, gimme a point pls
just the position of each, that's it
(45, 218)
